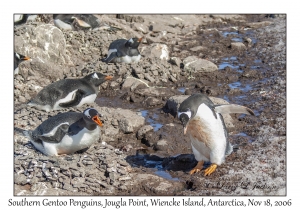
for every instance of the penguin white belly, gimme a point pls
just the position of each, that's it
(87, 100)
(60, 24)
(210, 132)
(71, 144)
(200, 150)
(132, 59)
(16, 71)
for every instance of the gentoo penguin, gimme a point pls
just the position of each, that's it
(65, 133)
(203, 122)
(18, 58)
(84, 21)
(22, 18)
(69, 93)
(124, 51)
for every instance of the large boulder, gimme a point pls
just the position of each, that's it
(156, 50)
(195, 64)
(46, 45)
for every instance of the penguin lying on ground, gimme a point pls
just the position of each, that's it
(85, 21)
(18, 58)
(23, 18)
(122, 50)
(69, 93)
(65, 133)
(203, 122)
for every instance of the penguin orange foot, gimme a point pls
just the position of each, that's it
(197, 168)
(210, 169)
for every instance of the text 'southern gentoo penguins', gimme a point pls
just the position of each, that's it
(69, 93)
(203, 122)
(65, 133)
(124, 51)
(18, 58)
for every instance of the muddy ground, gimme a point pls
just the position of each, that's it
(148, 154)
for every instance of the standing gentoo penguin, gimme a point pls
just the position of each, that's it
(69, 92)
(65, 133)
(203, 122)
(18, 58)
(122, 50)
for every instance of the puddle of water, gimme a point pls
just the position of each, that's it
(165, 175)
(226, 98)
(156, 125)
(225, 33)
(237, 39)
(225, 64)
(159, 172)
(238, 85)
(181, 89)
(257, 61)
(254, 67)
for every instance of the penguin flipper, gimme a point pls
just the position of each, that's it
(75, 101)
(55, 135)
(110, 57)
(232, 108)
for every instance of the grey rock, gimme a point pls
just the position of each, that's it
(238, 46)
(130, 121)
(143, 130)
(151, 101)
(197, 48)
(132, 83)
(175, 61)
(47, 49)
(161, 145)
(194, 64)
(156, 50)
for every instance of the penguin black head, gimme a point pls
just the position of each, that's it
(91, 116)
(184, 117)
(97, 78)
(133, 42)
(20, 57)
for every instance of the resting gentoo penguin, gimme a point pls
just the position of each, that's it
(84, 21)
(23, 18)
(69, 93)
(18, 58)
(124, 51)
(203, 122)
(65, 133)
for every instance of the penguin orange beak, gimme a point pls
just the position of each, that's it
(26, 58)
(97, 120)
(140, 39)
(108, 77)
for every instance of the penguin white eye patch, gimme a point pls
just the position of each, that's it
(95, 76)
(188, 113)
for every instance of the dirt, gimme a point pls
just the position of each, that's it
(252, 73)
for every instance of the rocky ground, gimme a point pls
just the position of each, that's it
(142, 151)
